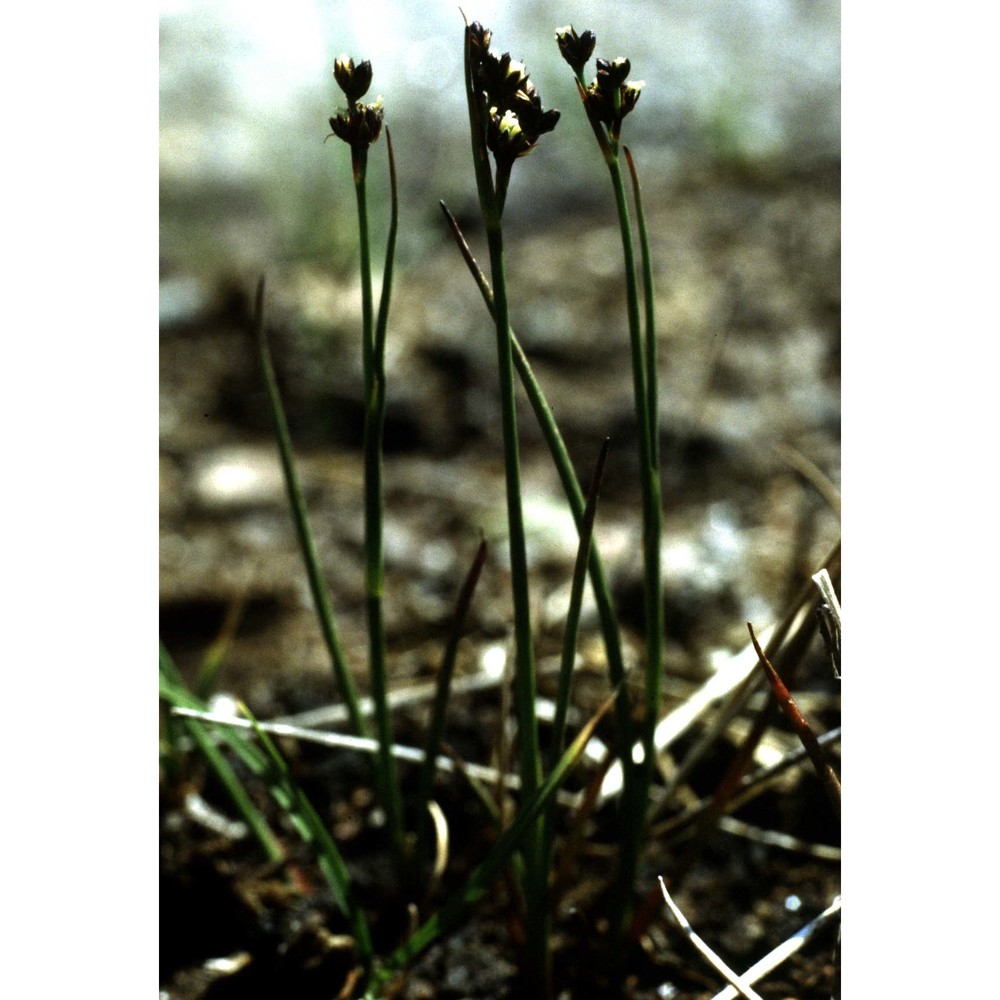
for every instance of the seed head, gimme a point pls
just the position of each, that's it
(511, 105)
(353, 80)
(360, 125)
(600, 96)
(576, 49)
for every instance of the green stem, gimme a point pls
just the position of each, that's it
(491, 197)
(649, 477)
(570, 635)
(374, 426)
(652, 366)
(573, 614)
(527, 817)
(317, 585)
(524, 668)
(359, 161)
(436, 729)
(607, 615)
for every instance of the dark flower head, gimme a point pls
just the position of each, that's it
(630, 95)
(514, 132)
(610, 97)
(512, 108)
(613, 72)
(576, 49)
(501, 78)
(480, 37)
(353, 80)
(528, 108)
(360, 125)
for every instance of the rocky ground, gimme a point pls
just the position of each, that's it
(747, 288)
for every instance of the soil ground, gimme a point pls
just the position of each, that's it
(748, 309)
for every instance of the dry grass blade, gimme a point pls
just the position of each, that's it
(368, 745)
(813, 474)
(825, 584)
(829, 618)
(802, 728)
(783, 952)
(680, 719)
(426, 781)
(511, 838)
(774, 838)
(750, 786)
(738, 983)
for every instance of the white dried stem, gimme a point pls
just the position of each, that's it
(738, 983)
(774, 838)
(825, 584)
(677, 722)
(784, 950)
(440, 824)
(365, 744)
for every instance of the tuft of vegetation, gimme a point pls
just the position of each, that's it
(536, 846)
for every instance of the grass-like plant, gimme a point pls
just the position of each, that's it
(607, 100)
(359, 126)
(506, 120)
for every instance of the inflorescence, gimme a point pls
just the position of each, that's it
(360, 124)
(610, 96)
(512, 108)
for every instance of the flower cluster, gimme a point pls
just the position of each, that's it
(576, 49)
(512, 108)
(610, 96)
(360, 124)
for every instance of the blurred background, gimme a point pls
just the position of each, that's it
(246, 91)
(736, 136)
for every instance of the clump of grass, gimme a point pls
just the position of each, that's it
(507, 120)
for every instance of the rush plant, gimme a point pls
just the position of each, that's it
(507, 120)
(608, 99)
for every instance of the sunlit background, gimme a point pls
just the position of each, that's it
(246, 91)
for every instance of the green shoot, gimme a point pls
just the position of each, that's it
(313, 831)
(607, 100)
(506, 118)
(173, 692)
(452, 912)
(359, 126)
(297, 503)
(574, 495)
(575, 603)
(216, 655)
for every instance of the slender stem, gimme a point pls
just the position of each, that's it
(524, 655)
(649, 312)
(359, 160)
(527, 817)
(649, 478)
(426, 781)
(317, 585)
(574, 495)
(382, 320)
(491, 197)
(575, 603)
(572, 631)
(374, 426)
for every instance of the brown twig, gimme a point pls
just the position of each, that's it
(823, 768)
